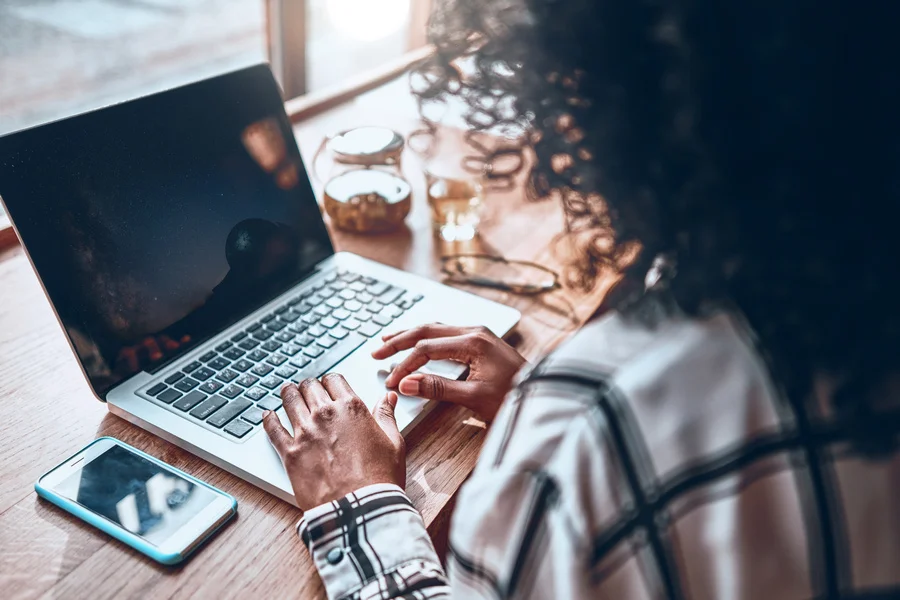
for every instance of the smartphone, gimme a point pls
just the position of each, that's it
(156, 509)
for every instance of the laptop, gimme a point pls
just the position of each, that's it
(185, 255)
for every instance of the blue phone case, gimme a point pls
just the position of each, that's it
(116, 531)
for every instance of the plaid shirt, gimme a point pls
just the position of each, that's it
(637, 463)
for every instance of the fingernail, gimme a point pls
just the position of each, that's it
(410, 386)
(266, 414)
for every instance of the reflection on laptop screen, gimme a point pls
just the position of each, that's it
(156, 223)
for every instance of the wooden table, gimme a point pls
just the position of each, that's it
(47, 412)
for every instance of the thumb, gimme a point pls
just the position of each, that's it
(384, 416)
(434, 387)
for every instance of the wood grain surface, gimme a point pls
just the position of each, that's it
(47, 412)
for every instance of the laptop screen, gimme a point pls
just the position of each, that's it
(156, 223)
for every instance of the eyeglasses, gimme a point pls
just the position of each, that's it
(517, 276)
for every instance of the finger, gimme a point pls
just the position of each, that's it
(405, 340)
(278, 435)
(314, 394)
(168, 343)
(129, 355)
(153, 349)
(456, 348)
(386, 419)
(295, 406)
(434, 387)
(337, 387)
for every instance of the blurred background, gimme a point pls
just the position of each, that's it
(63, 57)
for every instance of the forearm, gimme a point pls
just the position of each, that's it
(373, 544)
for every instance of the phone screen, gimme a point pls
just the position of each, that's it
(136, 494)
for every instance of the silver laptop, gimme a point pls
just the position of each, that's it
(182, 248)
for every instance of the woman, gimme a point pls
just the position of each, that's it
(730, 430)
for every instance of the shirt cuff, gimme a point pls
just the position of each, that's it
(363, 537)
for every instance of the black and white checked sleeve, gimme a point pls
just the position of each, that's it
(372, 544)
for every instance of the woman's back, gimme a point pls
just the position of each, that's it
(646, 462)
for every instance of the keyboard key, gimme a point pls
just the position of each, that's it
(290, 317)
(262, 369)
(326, 292)
(393, 311)
(285, 337)
(377, 289)
(313, 351)
(301, 361)
(192, 367)
(326, 341)
(298, 328)
(231, 391)
(375, 307)
(190, 401)
(169, 396)
(218, 364)
(242, 365)
(249, 344)
(382, 319)
(330, 357)
(331, 277)
(233, 353)
(363, 315)
(238, 428)
(276, 325)
(208, 407)
(392, 295)
(247, 380)
(306, 340)
(186, 384)
(286, 371)
(368, 280)
(227, 376)
(257, 355)
(303, 308)
(210, 387)
(405, 303)
(338, 333)
(238, 336)
(365, 297)
(203, 374)
(281, 309)
(341, 314)
(267, 318)
(316, 331)
(228, 412)
(272, 346)
(351, 324)
(350, 277)
(334, 302)
(329, 322)
(271, 382)
(253, 327)
(208, 356)
(358, 286)
(417, 297)
(269, 403)
(174, 377)
(296, 300)
(310, 318)
(223, 346)
(156, 389)
(347, 294)
(323, 310)
(369, 329)
(291, 349)
(277, 360)
(254, 415)
(263, 334)
(256, 393)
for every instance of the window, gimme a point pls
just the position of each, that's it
(63, 57)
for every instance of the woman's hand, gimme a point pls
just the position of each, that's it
(338, 446)
(492, 365)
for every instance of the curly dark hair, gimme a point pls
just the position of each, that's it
(755, 145)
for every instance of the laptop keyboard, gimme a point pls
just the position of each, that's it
(228, 388)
